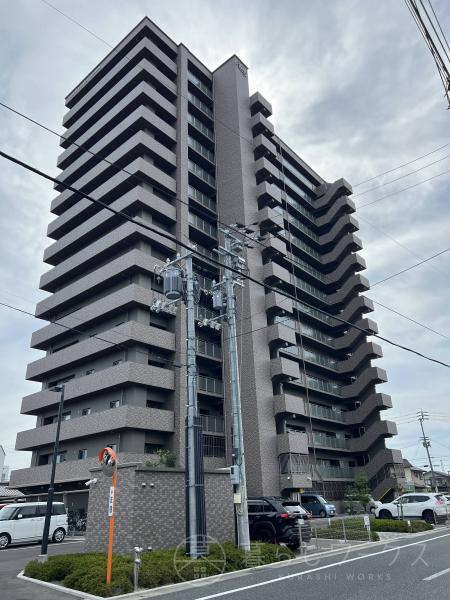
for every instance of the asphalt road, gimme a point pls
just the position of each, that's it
(415, 568)
(14, 559)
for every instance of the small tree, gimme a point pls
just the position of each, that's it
(360, 490)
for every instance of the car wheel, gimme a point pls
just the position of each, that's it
(385, 514)
(265, 535)
(322, 514)
(59, 535)
(428, 516)
(5, 541)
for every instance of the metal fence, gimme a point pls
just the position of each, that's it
(335, 532)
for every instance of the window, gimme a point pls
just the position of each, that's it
(152, 448)
(66, 415)
(82, 454)
(27, 512)
(65, 346)
(61, 457)
(117, 362)
(43, 459)
(114, 404)
(48, 420)
(90, 371)
(153, 404)
(85, 411)
(57, 509)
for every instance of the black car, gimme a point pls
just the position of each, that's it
(270, 521)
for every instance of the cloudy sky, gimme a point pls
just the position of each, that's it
(354, 92)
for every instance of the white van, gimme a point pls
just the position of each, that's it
(21, 523)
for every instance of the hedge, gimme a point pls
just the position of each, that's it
(400, 526)
(86, 572)
(346, 529)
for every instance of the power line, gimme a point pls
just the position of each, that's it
(401, 177)
(409, 268)
(144, 225)
(402, 165)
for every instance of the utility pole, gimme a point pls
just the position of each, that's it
(180, 283)
(230, 251)
(423, 416)
(48, 512)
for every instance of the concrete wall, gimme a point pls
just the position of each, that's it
(154, 515)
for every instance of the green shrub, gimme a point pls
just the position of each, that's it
(87, 572)
(400, 526)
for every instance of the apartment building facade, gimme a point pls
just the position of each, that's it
(187, 151)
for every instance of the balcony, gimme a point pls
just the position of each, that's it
(200, 149)
(329, 414)
(328, 441)
(200, 126)
(335, 472)
(277, 303)
(207, 348)
(369, 377)
(268, 194)
(274, 247)
(292, 443)
(210, 386)
(270, 220)
(321, 385)
(91, 347)
(259, 124)
(287, 404)
(201, 313)
(264, 147)
(201, 105)
(280, 336)
(295, 471)
(374, 402)
(207, 91)
(204, 226)
(202, 198)
(258, 104)
(102, 381)
(202, 174)
(213, 424)
(379, 429)
(283, 369)
(123, 417)
(266, 171)
(275, 274)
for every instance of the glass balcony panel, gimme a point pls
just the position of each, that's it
(196, 81)
(201, 173)
(300, 208)
(213, 424)
(294, 463)
(208, 348)
(202, 198)
(201, 105)
(210, 385)
(201, 126)
(202, 150)
(330, 441)
(325, 412)
(203, 225)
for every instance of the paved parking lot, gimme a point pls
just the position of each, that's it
(14, 559)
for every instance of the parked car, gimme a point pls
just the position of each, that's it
(373, 505)
(22, 523)
(271, 522)
(317, 505)
(429, 507)
(294, 506)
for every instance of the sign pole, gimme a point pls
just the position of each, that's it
(112, 498)
(108, 462)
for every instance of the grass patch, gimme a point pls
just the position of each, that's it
(87, 572)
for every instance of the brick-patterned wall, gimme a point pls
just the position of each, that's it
(153, 515)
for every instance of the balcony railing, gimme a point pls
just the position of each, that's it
(302, 227)
(205, 283)
(213, 424)
(206, 252)
(294, 463)
(328, 441)
(322, 385)
(201, 173)
(325, 412)
(201, 126)
(298, 190)
(292, 239)
(314, 313)
(202, 150)
(196, 81)
(307, 287)
(210, 385)
(204, 226)
(335, 472)
(202, 198)
(300, 208)
(307, 267)
(201, 313)
(201, 105)
(208, 348)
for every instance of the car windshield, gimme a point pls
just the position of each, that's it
(7, 512)
(322, 500)
(293, 507)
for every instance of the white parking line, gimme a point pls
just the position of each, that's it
(436, 575)
(33, 547)
(301, 573)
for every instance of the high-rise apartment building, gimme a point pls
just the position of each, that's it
(188, 149)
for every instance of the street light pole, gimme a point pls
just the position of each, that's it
(48, 512)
